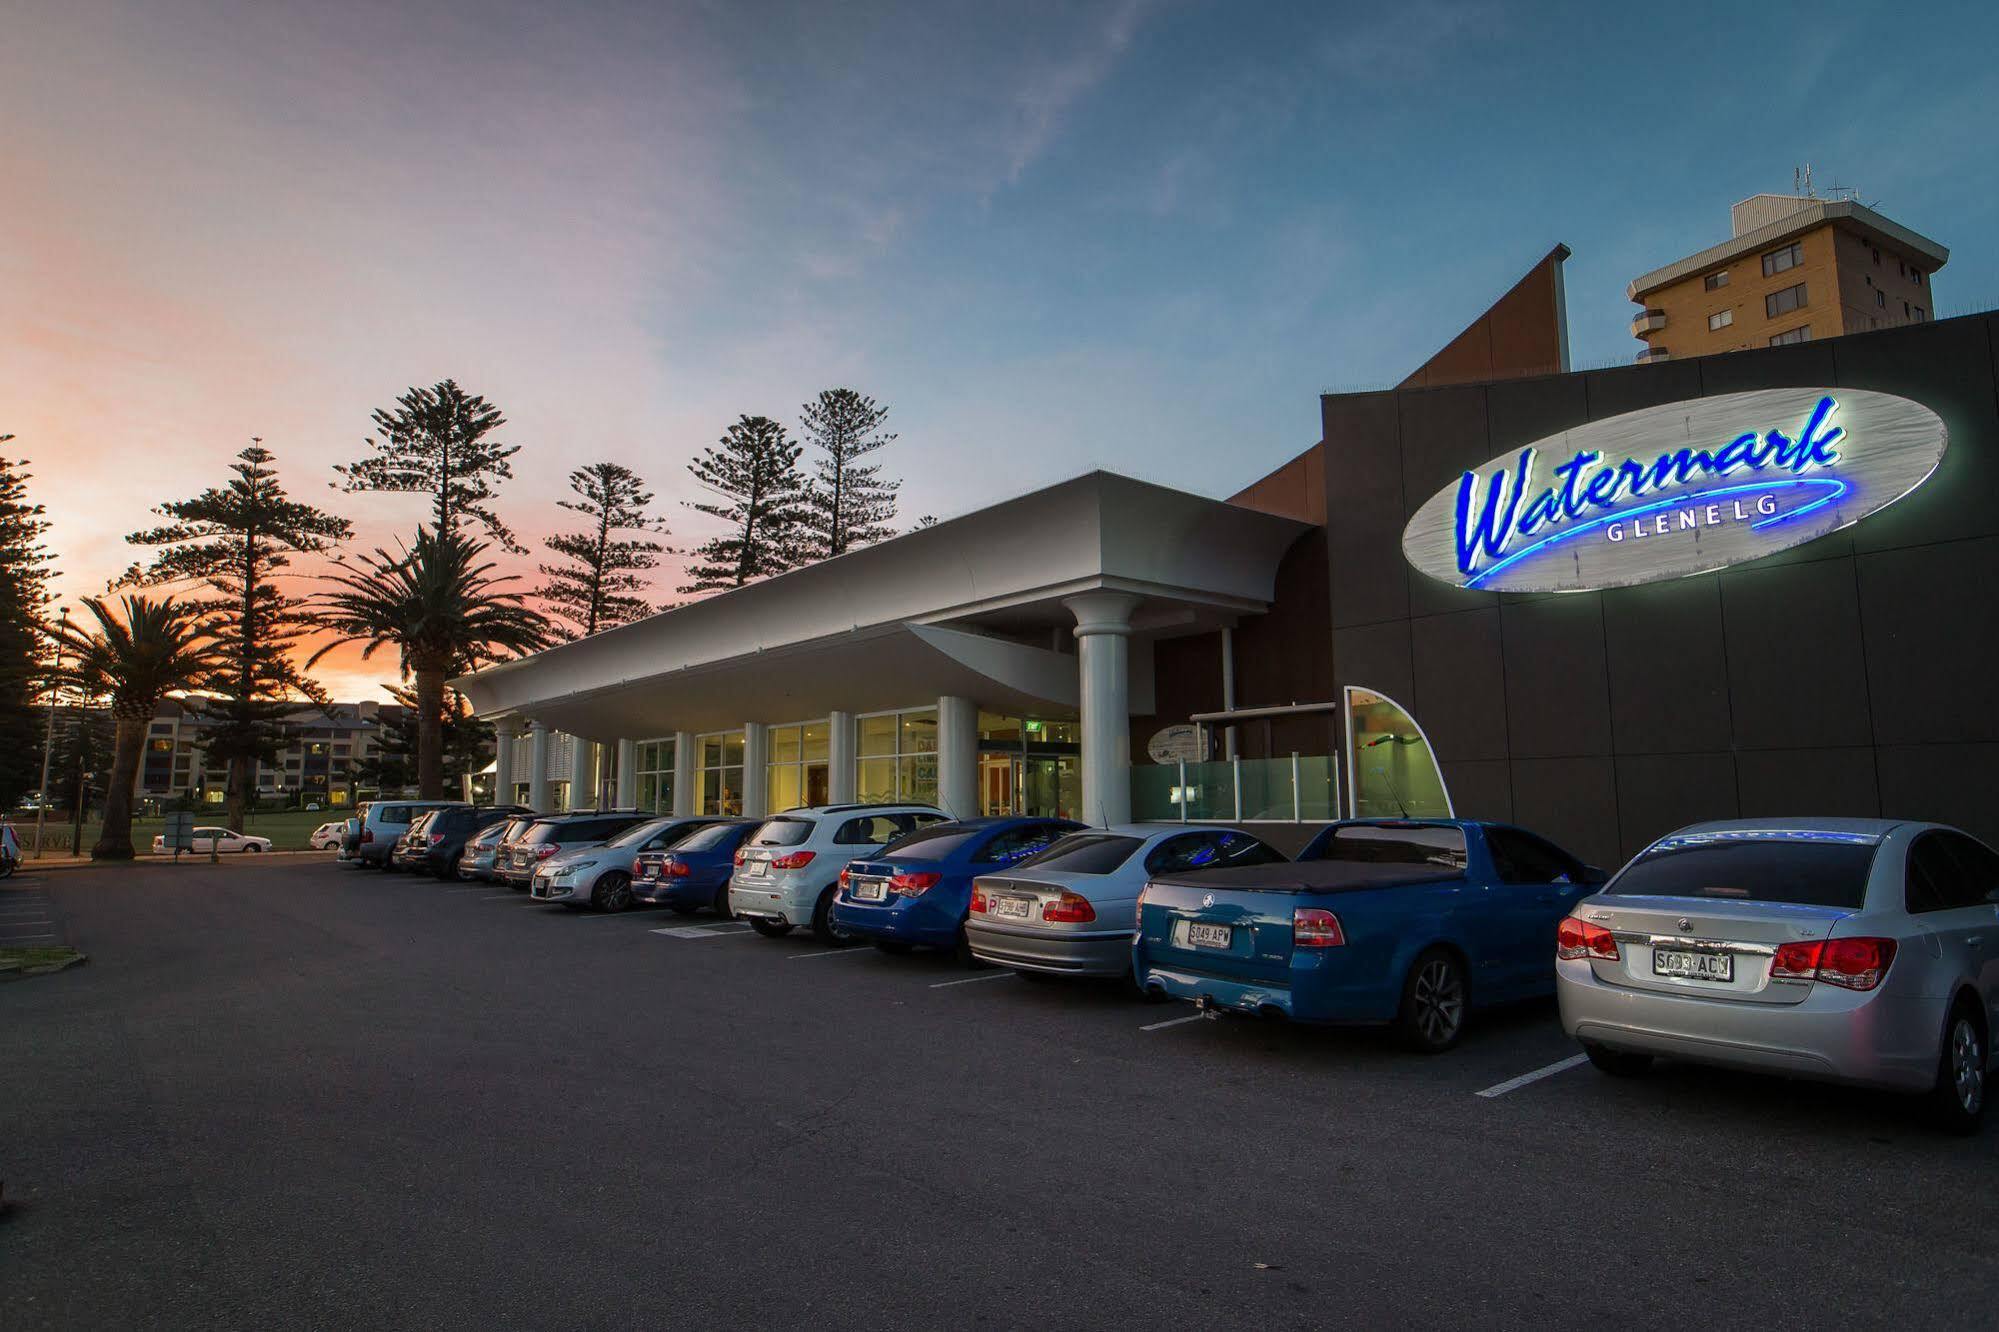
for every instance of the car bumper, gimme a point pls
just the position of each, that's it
(784, 903)
(1874, 1039)
(546, 890)
(1097, 953)
(899, 920)
(684, 892)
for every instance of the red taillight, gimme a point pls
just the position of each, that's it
(435, 838)
(1068, 909)
(796, 860)
(677, 869)
(1312, 927)
(546, 849)
(1578, 938)
(978, 899)
(1851, 964)
(739, 859)
(1138, 914)
(912, 885)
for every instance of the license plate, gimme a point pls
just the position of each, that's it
(648, 871)
(1690, 965)
(1210, 936)
(870, 890)
(1014, 907)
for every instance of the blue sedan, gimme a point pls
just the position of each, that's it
(1414, 923)
(693, 872)
(918, 891)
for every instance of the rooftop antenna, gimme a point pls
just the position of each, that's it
(1801, 181)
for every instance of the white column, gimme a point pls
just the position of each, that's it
(958, 757)
(686, 796)
(841, 778)
(504, 731)
(582, 773)
(628, 773)
(538, 743)
(1103, 650)
(756, 759)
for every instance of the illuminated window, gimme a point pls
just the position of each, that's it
(1778, 261)
(796, 772)
(653, 769)
(898, 756)
(720, 772)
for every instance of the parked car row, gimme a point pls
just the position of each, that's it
(1853, 951)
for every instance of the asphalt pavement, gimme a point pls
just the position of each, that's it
(293, 1094)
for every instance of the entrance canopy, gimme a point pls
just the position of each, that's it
(977, 607)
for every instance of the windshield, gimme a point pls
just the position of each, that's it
(640, 832)
(1393, 844)
(936, 843)
(707, 839)
(1084, 853)
(1807, 868)
(783, 832)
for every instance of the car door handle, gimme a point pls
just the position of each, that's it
(1975, 941)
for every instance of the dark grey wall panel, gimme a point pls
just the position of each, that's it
(1944, 783)
(1521, 411)
(1480, 790)
(1660, 792)
(1460, 696)
(1774, 783)
(1932, 620)
(1800, 363)
(1668, 669)
(1364, 507)
(1573, 801)
(1797, 678)
(1557, 693)
(1444, 434)
(1378, 656)
(1628, 388)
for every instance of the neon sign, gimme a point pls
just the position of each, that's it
(1675, 490)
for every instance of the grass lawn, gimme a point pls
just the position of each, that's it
(288, 829)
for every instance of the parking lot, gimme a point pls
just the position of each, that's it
(292, 1093)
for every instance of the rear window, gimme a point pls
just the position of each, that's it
(940, 842)
(708, 838)
(397, 814)
(596, 830)
(1085, 853)
(541, 832)
(1807, 868)
(783, 832)
(1393, 844)
(641, 832)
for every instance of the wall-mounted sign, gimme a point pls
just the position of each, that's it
(1674, 490)
(1175, 744)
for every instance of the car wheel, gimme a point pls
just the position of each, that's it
(893, 947)
(721, 903)
(1958, 1103)
(769, 929)
(824, 927)
(613, 892)
(252, 847)
(1433, 1003)
(1618, 1063)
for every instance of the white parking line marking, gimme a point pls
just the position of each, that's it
(502, 897)
(1515, 1084)
(834, 952)
(634, 911)
(1174, 1022)
(973, 980)
(717, 931)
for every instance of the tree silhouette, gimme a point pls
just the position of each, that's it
(753, 471)
(233, 541)
(24, 600)
(436, 441)
(599, 587)
(848, 503)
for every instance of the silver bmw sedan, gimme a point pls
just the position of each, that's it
(1862, 951)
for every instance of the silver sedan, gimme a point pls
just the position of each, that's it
(1070, 910)
(1862, 951)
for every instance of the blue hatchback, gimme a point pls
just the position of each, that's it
(694, 871)
(918, 891)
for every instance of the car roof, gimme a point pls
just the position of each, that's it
(884, 806)
(1803, 823)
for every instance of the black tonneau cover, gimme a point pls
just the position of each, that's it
(1312, 876)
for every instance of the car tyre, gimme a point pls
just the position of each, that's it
(253, 847)
(1958, 1102)
(769, 929)
(1434, 1003)
(613, 892)
(824, 929)
(1618, 1063)
(721, 903)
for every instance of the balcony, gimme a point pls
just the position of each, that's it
(1651, 321)
(1651, 354)
(1283, 790)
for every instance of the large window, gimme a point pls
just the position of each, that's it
(1802, 333)
(799, 767)
(721, 772)
(1779, 261)
(1785, 301)
(653, 767)
(1719, 320)
(1716, 280)
(898, 755)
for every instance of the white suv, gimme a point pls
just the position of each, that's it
(788, 870)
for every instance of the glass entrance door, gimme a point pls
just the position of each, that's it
(1040, 785)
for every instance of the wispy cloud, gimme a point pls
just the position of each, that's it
(1052, 88)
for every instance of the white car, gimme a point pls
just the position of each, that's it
(327, 836)
(789, 869)
(217, 839)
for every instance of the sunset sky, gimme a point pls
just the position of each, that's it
(1135, 235)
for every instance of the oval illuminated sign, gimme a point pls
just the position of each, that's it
(1674, 490)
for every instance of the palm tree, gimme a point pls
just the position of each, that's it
(139, 653)
(440, 606)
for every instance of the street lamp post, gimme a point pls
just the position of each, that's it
(49, 736)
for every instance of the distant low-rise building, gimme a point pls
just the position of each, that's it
(326, 745)
(1796, 269)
